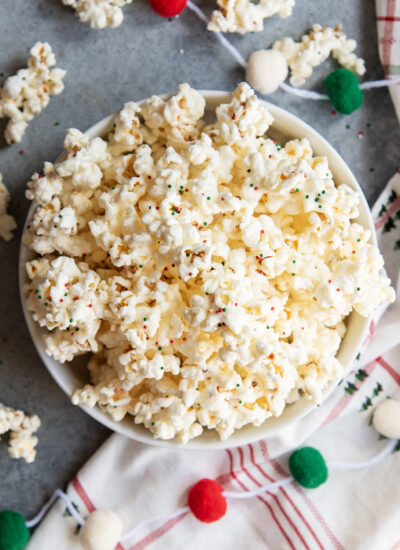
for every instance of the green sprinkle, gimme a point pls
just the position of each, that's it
(223, 263)
(207, 293)
(170, 18)
(372, 169)
(181, 187)
(187, 254)
(261, 255)
(268, 327)
(55, 227)
(46, 303)
(316, 267)
(39, 297)
(219, 324)
(173, 213)
(60, 215)
(144, 318)
(261, 144)
(180, 191)
(204, 223)
(323, 192)
(319, 194)
(140, 265)
(162, 368)
(240, 401)
(317, 199)
(37, 291)
(71, 320)
(208, 198)
(77, 328)
(358, 240)
(67, 328)
(368, 125)
(249, 170)
(66, 294)
(358, 289)
(114, 125)
(320, 206)
(347, 126)
(297, 190)
(169, 186)
(307, 196)
(153, 423)
(56, 124)
(294, 261)
(113, 187)
(224, 309)
(159, 348)
(28, 227)
(293, 274)
(251, 185)
(237, 385)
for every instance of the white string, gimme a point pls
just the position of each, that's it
(61, 495)
(233, 51)
(130, 533)
(260, 491)
(371, 462)
(305, 94)
(380, 83)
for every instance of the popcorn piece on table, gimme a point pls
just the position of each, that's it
(99, 13)
(7, 222)
(244, 16)
(22, 442)
(27, 93)
(315, 48)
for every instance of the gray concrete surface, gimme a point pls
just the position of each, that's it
(146, 55)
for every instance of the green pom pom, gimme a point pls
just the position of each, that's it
(14, 534)
(344, 91)
(308, 467)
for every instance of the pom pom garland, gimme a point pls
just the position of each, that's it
(343, 91)
(308, 467)
(14, 534)
(386, 419)
(168, 8)
(266, 70)
(206, 501)
(101, 531)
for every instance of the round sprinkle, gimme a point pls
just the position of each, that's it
(159, 348)
(307, 196)
(268, 327)
(71, 320)
(358, 289)
(162, 368)
(169, 186)
(153, 423)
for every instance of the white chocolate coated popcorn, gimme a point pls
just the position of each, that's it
(244, 16)
(99, 13)
(207, 268)
(315, 48)
(27, 93)
(22, 427)
(7, 222)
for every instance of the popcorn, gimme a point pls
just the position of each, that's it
(244, 16)
(315, 48)
(22, 443)
(7, 222)
(99, 13)
(27, 93)
(207, 268)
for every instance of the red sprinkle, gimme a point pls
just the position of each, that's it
(353, 252)
(272, 308)
(76, 298)
(144, 326)
(61, 300)
(184, 339)
(157, 208)
(171, 341)
(21, 152)
(149, 177)
(338, 289)
(190, 274)
(173, 265)
(233, 117)
(334, 112)
(262, 231)
(329, 281)
(90, 305)
(165, 268)
(255, 188)
(222, 199)
(236, 304)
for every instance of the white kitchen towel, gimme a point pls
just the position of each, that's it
(356, 510)
(388, 20)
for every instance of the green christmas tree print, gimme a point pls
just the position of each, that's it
(367, 404)
(377, 390)
(361, 375)
(393, 197)
(382, 210)
(397, 245)
(350, 388)
(389, 225)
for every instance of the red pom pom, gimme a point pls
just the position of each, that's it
(168, 8)
(206, 501)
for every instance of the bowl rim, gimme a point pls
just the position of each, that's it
(208, 440)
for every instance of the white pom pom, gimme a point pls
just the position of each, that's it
(101, 531)
(266, 69)
(386, 419)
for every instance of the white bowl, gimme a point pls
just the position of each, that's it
(73, 375)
